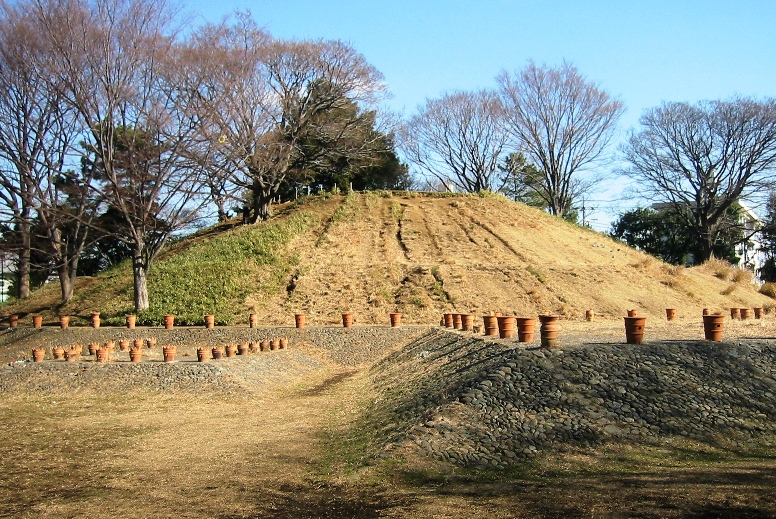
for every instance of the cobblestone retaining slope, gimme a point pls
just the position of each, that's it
(470, 401)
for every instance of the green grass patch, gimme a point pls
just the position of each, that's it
(215, 275)
(348, 210)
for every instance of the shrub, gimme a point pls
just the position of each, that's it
(720, 268)
(769, 289)
(742, 276)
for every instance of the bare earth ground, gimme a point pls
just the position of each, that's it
(285, 447)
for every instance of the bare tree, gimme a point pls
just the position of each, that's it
(116, 59)
(562, 123)
(266, 97)
(37, 130)
(701, 159)
(458, 140)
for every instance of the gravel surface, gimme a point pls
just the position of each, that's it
(309, 349)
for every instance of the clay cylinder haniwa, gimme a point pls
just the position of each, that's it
(634, 329)
(506, 326)
(457, 322)
(526, 329)
(712, 327)
(490, 323)
(549, 330)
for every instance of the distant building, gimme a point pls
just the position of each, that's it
(7, 274)
(750, 251)
(5, 288)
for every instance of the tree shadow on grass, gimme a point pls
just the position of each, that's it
(299, 500)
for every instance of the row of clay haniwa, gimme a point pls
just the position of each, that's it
(672, 314)
(300, 320)
(103, 352)
(505, 326)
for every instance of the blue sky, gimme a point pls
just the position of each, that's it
(643, 52)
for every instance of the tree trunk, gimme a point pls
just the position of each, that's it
(139, 271)
(66, 282)
(262, 205)
(222, 214)
(23, 266)
(706, 248)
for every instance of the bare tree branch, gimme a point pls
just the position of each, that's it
(562, 123)
(701, 159)
(458, 140)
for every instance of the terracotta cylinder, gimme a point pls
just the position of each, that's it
(758, 312)
(103, 354)
(169, 353)
(549, 330)
(526, 329)
(468, 322)
(253, 320)
(169, 322)
(634, 329)
(137, 343)
(300, 320)
(448, 320)
(217, 353)
(58, 352)
(395, 319)
(670, 314)
(283, 343)
(589, 315)
(64, 321)
(95, 319)
(264, 345)
(347, 319)
(131, 320)
(37, 321)
(14, 321)
(242, 348)
(124, 344)
(632, 313)
(457, 322)
(203, 355)
(110, 346)
(71, 356)
(38, 354)
(273, 344)
(231, 350)
(735, 313)
(745, 313)
(507, 326)
(253, 347)
(210, 321)
(712, 327)
(150, 342)
(490, 325)
(93, 347)
(136, 355)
